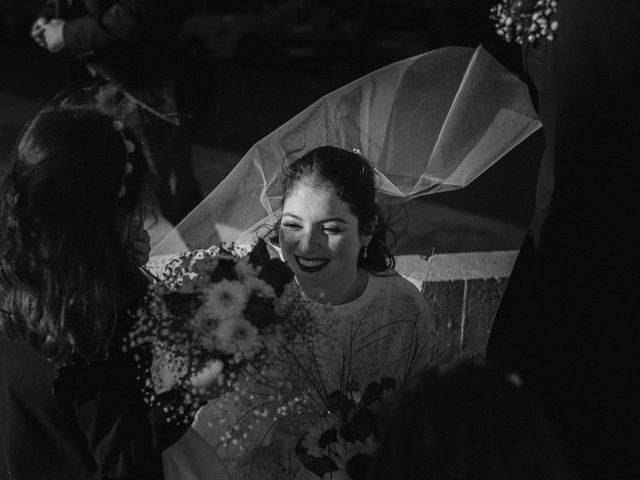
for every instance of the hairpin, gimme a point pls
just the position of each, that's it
(130, 148)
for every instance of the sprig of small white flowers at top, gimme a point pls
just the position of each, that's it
(523, 21)
(130, 148)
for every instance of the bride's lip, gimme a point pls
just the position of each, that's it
(310, 265)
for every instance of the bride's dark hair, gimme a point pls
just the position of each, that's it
(354, 180)
(67, 208)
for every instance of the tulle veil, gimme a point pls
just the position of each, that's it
(430, 123)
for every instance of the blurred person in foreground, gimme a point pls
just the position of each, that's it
(71, 402)
(567, 321)
(466, 421)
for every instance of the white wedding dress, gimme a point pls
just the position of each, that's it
(192, 458)
(379, 328)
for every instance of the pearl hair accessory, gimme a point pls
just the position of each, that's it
(130, 148)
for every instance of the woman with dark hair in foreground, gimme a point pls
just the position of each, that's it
(71, 404)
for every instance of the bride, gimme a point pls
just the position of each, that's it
(430, 123)
(334, 237)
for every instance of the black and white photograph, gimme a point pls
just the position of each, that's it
(319, 239)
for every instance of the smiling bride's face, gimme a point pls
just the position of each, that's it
(321, 240)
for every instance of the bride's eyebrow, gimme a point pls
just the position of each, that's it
(324, 220)
(334, 219)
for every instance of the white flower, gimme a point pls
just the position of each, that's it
(166, 370)
(195, 321)
(188, 284)
(203, 262)
(226, 299)
(273, 341)
(206, 324)
(244, 269)
(238, 335)
(208, 343)
(262, 288)
(209, 374)
(205, 328)
(241, 250)
(342, 451)
(311, 440)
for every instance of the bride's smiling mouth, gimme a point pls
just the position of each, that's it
(310, 265)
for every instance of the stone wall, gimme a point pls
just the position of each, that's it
(464, 291)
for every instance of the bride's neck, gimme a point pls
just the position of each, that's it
(336, 294)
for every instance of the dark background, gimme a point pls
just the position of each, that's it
(263, 62)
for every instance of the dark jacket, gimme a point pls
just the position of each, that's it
(77, 421)
(129, 42)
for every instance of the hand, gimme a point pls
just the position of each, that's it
(52, 32)
(37, 31)
(140, 244)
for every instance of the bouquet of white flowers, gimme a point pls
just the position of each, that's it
(211, 316)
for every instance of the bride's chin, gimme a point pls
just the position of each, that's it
(309, 280)
(316, 294)
(312, 286)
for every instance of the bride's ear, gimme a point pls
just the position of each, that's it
(367, 232)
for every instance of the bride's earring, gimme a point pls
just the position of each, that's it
(364, 254)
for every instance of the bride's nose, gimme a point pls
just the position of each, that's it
(309, 241)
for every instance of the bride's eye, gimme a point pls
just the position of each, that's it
(331, 230)
(290, 225)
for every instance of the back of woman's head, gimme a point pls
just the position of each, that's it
(71, 195)
(467, 422)
(354, 181)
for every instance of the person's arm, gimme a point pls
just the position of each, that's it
(48, 12)
(103, 30)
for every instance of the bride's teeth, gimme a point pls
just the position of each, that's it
(310, 263)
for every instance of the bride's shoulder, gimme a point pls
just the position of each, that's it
(391, 279)
(396, 288)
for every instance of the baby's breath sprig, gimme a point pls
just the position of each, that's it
(525, 20)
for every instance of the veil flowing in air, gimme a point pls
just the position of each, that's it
(430, 123)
